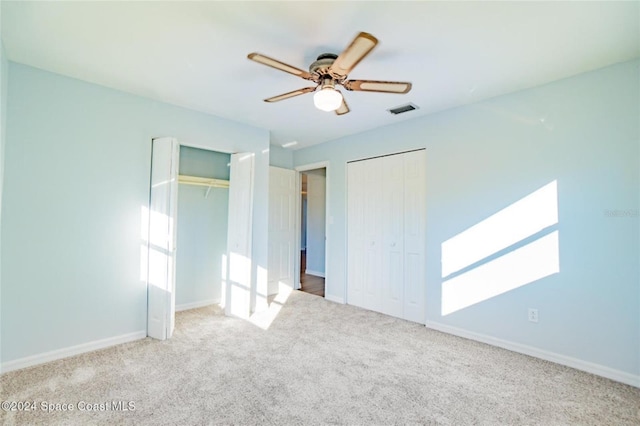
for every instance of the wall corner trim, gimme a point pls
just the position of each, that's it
(578, 364)
(70, 351)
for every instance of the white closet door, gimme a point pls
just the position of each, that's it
(414, 236)
(386, 235)
(161, 239)
(373, 220)
(356, 177)
(393, 235)
(282, 228)
(237, 294)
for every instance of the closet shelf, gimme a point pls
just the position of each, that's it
(199, 181)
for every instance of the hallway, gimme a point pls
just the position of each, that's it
(310, 283)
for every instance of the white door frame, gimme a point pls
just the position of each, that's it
(327, 220)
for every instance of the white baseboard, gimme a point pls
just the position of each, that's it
(578, 364)
(42, 358)
(314, 273)
(194, 305)
(334, 299)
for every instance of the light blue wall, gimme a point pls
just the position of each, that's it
(201, 243)
(204, 163)
(582, 132)
(76, 179)
(280, 157)
(3, 132)
(3, 113)
(202, 228)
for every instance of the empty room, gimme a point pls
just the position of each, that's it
(320, 213)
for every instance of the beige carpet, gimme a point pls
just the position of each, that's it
(318, 363)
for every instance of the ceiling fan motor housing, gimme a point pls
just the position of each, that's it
(322, 64)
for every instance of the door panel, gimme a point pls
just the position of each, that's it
(414, 235)
(161, 238)
(373, 218)
(414, 288)
(393, 234)
(356, 173)
(282, 207)
(237, 294)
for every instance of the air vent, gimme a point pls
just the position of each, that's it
(402, 109)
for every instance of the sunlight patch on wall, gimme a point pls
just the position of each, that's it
(154, 252)
(144, 261)
(520, 220)
(532, 262)
(523, 219)
(144, 243)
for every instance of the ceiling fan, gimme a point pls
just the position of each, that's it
(331, 70)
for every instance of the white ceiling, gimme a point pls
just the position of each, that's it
(193, 54)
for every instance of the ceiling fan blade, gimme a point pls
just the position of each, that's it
(265, 60)
(352, 55)
(343, 108)
(377, 86)
(290, 94)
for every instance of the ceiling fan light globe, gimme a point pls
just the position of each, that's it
(327, 99)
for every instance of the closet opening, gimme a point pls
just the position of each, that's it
(201, 247)
(204, 172)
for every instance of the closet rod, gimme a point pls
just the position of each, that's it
(194, 180)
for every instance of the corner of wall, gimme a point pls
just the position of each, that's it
(280, 157)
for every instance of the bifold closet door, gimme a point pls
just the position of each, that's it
(161, 238)
(392, 234)
(364, 210)
(237, 289)
(415, 212)
(385, 232)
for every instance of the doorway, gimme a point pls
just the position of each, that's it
(313, 208)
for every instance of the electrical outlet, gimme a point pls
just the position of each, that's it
(533, 315)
